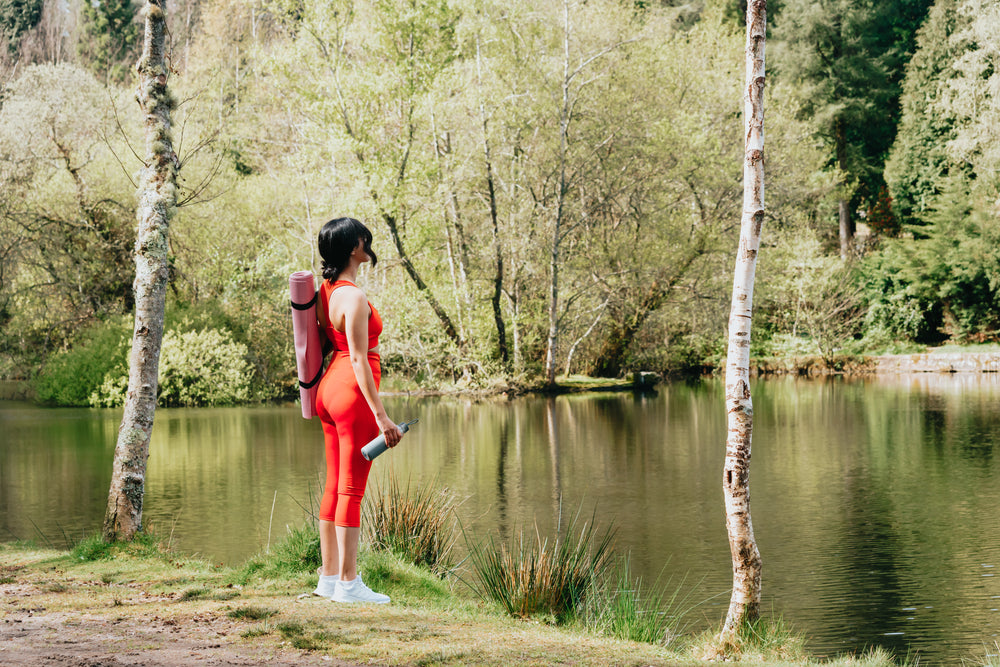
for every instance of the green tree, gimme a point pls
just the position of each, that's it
(109, 36)
(919, 159)
(16, 18)
(65, 224)
(972, 95)
(848, 56)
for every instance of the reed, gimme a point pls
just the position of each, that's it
(530, 576)
(416, 522)
(991, 656)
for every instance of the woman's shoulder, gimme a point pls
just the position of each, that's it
(346, 292)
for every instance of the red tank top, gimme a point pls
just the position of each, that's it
(339, 338)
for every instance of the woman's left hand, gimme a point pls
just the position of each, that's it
(393, 434)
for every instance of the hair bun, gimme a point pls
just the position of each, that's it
(329, 272)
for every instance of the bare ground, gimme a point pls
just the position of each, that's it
(111, 613)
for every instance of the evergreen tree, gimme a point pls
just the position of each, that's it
(848, 56)
(918, 161)
(16, 18)
(108, 38)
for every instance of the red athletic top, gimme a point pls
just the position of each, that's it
(339, 338)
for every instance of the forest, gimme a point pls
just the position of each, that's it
(554, 187)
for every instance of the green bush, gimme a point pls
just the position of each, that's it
(70, 377)
(196, 368)
(203, 368)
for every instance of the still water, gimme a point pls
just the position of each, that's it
(876, 503)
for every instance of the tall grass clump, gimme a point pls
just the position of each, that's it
(529, 575)
(298, 553)
(416, 522)
(625, 607)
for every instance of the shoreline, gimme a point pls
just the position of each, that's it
(807, 366)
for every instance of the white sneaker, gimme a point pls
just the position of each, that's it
(326, 586)
(356, 591)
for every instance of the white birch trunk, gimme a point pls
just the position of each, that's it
(157, 199)
(744, 604)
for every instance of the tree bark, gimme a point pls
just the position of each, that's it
(494, 218)
(157, 199)
(744, 604)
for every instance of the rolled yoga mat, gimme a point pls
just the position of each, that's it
(308, 349)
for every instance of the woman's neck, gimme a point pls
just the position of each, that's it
(350, 273)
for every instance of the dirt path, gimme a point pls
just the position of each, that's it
(32, 636)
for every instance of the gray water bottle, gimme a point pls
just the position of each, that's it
(377, 446)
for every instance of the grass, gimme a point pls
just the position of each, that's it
(252, 613)
(431, 621)
(145, 544)
(416, 522)
(991, 656)
(529, 576)
(625, 607)
(296, 554)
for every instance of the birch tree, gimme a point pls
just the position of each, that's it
(157, 196)
(744, 605)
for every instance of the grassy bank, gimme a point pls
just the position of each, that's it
(141, 600)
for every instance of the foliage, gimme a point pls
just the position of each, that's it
(530, 576)
(847, 58)
(919, 159)
(945, 284)
(16, 18)
(109, 37)
(66, 237)
(71, 376)
(415, 523)
(809, 295)
(444, 126)
(972, 95)
(203, 367)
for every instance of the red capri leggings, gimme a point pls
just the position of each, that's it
(348, 424)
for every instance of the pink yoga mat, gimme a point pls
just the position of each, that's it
(308, 350)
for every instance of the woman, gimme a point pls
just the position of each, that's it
(348, 406)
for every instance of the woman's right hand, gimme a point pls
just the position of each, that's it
(393, 434)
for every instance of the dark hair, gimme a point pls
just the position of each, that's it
(337, 240)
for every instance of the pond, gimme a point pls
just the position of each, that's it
(875, 502)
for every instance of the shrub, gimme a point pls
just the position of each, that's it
(203, 367)
(70, 377)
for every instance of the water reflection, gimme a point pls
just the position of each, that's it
(874, 501)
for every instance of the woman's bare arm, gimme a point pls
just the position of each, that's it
(354, 305)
